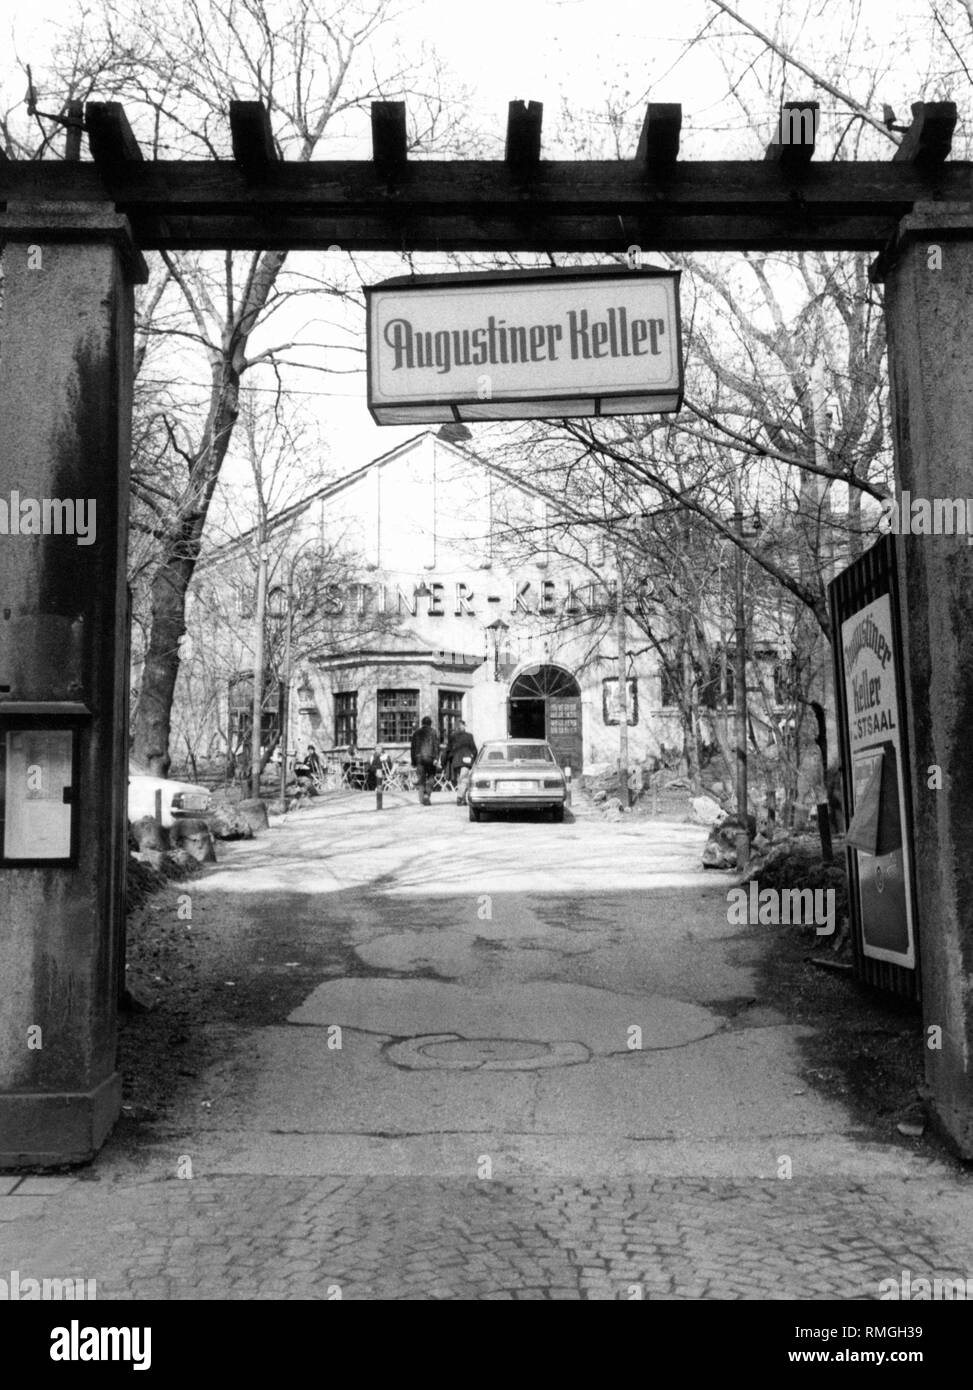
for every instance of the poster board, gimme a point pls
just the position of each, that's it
(38, 780)
(878, 774)
(872, 710)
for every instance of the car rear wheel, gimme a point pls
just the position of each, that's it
(557, 814)
(474, 811)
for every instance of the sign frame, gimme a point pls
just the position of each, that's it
(467, 408)
(609, 701)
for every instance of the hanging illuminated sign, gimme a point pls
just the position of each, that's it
(518, 345)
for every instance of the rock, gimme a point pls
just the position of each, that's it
(707, 811)
(717, 856)
(148, 835)
(733, 823)
(613, 805)
(254, 812)
(303, 787)
(200, 846)
(600, 795)
(720, 850)
(130, 1003)
(225, 824)
(911, 1129)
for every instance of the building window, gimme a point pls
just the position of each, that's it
(345, 717)
(398, 715)
(786, 679)
(244, 599)
(450, 713)
(240, 705)
(716, 691)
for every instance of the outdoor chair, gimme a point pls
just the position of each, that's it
(398, 778)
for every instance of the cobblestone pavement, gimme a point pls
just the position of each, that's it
(405, 1238)
(486, 1012)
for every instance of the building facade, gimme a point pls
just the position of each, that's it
(466, 594)
(472, 613)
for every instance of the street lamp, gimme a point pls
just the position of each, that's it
(285, 713)
(497, 627)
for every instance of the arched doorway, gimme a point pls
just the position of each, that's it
(545, 702)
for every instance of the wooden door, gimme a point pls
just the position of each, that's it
(564, 730)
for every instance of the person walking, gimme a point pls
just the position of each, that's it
(458, 760)
(424, 750)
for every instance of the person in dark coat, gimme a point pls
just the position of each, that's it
(460, 752)
(424, 750)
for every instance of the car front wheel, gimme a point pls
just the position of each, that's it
(474, 811)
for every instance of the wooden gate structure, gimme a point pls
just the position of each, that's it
(73, 234)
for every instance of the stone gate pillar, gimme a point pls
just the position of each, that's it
(928, 275)
(66, 328)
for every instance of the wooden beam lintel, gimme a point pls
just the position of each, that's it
(530, 233)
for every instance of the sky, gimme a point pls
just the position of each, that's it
(574, 53)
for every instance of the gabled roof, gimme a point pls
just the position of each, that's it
(296, 509)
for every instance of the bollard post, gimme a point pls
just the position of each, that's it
(824, 830)
(378, 790)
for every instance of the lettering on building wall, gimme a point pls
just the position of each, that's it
(546, 598)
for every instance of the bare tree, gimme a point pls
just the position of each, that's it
(176, 65)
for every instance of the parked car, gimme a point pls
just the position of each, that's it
(179, 799)
(517, 774)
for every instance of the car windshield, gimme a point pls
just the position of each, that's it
(517, 753)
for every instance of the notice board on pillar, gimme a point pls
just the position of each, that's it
(869, 685)
(38, 784)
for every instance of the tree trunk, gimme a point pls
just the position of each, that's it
(150, 743)
(177, 563)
